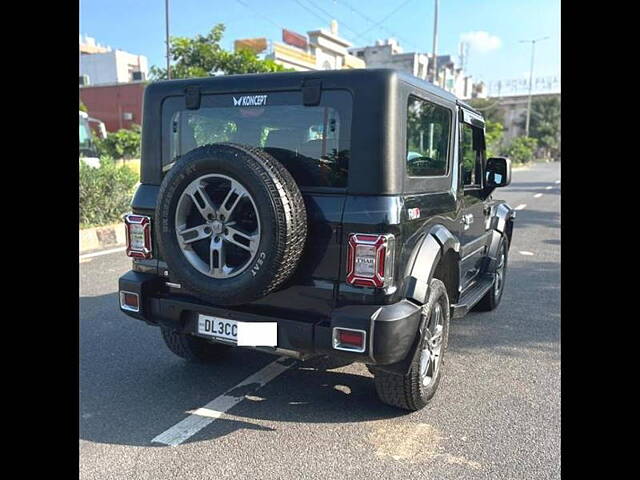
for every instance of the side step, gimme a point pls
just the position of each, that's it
(471, 296)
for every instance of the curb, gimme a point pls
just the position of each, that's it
(97, 238)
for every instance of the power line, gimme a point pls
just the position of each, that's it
(246, 5)
(370, 20)
(321, 18)
(386, 17)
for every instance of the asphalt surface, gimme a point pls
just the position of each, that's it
(496, 413)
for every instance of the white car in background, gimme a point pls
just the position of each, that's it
(87, 147)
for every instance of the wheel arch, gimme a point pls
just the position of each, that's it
(501, 225)
(436, 255)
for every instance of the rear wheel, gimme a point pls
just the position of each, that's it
(414, 390)
(194, 349)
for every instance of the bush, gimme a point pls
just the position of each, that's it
(521, 149)
(493, 137)
(105, 192)
(121, 144)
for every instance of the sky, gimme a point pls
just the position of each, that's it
(493, 28)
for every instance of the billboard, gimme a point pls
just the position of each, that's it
(293, 38)
(256, 45)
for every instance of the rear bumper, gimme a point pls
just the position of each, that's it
(390, 329)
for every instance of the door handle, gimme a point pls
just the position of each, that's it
(467, 220)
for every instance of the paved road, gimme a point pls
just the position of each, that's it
(496, 414)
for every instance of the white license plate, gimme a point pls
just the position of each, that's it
(218, 327)
(255, 334)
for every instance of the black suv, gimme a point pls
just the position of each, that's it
(339, 213)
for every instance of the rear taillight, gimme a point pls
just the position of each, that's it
(370, 260)
(138, 233)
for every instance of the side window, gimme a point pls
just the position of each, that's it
(428, 130)
(471, 154)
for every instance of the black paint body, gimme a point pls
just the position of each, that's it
(377, 199)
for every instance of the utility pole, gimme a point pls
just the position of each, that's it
(434, 70)
(533, 49)
(166, 12)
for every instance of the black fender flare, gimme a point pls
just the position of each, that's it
(501, 215)
(424, 260)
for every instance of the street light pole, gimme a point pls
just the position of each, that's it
(434, 70)
(166, 11)
(533, 49)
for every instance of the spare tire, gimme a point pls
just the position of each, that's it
(231, 223)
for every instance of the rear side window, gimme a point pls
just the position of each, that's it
(428, 134)
(312, 142)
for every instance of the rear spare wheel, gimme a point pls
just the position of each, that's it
(231, 223)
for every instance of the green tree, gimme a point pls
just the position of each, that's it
(83, 107)
(123, 144)
(203, 56)
(521, 149)
(545, 124)
(493, 137)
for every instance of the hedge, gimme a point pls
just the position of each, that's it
(105, 192)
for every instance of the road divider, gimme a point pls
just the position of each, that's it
(102, 237)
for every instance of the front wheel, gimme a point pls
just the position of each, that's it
(414, 390)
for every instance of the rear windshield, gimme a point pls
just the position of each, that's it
(312, 142)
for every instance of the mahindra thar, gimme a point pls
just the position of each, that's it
(338, 213)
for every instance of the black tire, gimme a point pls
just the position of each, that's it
(491, 301)
(407, 391)
(281, 212)
(192, 348)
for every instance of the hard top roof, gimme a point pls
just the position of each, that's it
(287, 77)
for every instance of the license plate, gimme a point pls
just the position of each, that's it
(218, 327)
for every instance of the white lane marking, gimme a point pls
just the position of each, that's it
(557, 181)
(548, 188)
(521, 206)
(537, 195)
(525, 253)
(103, 252)
(203, 416)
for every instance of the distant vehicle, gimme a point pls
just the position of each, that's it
(340, 213)
(88, 150)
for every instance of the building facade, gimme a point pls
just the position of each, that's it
(100, 65)
(389, 54)
(318, 50)
(118, 105)
(513, 110)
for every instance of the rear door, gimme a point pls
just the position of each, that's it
(473, 231)
(312, 142)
